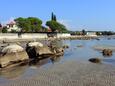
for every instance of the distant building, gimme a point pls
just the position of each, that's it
(11, 26)
(91, 34)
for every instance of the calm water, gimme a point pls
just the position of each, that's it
(78, 50)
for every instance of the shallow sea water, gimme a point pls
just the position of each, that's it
(80, 50)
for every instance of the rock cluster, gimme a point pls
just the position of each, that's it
(105, 52)
(14, 53)
(35, 49)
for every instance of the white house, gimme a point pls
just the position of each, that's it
(12, 26)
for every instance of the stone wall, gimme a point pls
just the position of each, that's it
(8, 36)
(30, 35)
(61, 35)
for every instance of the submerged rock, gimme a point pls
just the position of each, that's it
(95, 60)
(107, 52)
(65, 46)
(12, 54)
(79, 45)
(57, 51)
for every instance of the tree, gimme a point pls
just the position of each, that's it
(53, 17)
(56, 26)
(30, 24)
(84, 32)
(35, 24)
(23, 24)
(98, 33)
(4, 30)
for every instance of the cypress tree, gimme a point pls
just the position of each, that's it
(52, 16)
(55, 19)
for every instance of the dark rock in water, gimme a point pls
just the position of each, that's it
(79, 45)
(97, 38)
(107, 52)
(65, 46)
(109, 38)
(31, 51)
(36, 49)
(95, 60)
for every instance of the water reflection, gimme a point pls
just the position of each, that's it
(55, 59)
(12, 73)
(16, 72)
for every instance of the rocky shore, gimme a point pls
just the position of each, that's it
(13, 53)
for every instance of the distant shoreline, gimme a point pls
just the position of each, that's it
(6, 40)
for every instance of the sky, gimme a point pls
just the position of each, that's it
(95, 15)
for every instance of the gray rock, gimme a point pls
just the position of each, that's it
(12, 54)
(37, 50)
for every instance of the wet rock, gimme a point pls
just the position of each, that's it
(12, 54)
(55, 59)
(95, 60)
(57, 51)
(65, 46)
(31, 51)
(107, 52)
(79, 45)
(36, 49)
(97, 38)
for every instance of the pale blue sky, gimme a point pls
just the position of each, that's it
(75, 14)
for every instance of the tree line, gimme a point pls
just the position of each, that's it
(34, 24)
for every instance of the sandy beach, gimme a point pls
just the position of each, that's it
(70, 73)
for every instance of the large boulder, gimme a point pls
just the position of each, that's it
(36, 49)
(12, 54)
(107, 52)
